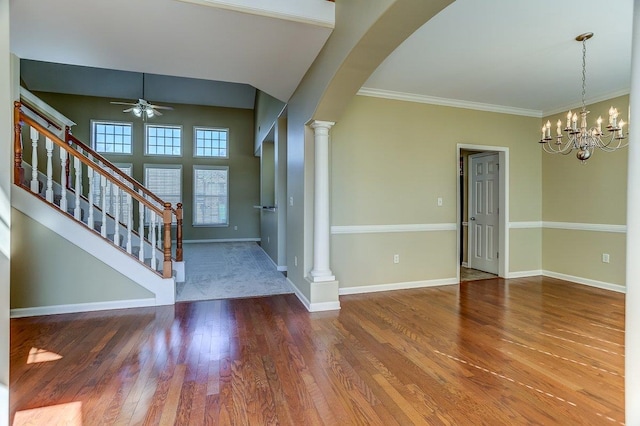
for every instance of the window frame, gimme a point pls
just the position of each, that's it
(193, 206)
(120, 123)
(170, 126)
(162, 166)
(195, 143)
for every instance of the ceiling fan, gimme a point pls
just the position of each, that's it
(142, 108)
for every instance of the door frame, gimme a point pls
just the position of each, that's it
(503, 205)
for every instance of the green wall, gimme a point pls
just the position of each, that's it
(65, 274)
(391, 160)
(591, 193)
(244, 167)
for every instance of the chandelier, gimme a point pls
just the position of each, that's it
(583, 138)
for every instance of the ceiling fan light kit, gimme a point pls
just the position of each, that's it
(583, 138)
(142, 109)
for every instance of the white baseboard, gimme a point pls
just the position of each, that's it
(397, 286)
(81, 307)
(282, 268)
(586, 281)
(223, 240)
(524, 274)
(313, 307)
(464, 264)
(278, 267)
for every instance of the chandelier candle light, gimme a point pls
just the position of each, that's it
(583, 138)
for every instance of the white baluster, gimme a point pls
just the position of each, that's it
(77, 165)
(141, 228)
(63, 180)
(116, 206)
(152, 239)
(35, 185)
(90, 176)
(129, 208)
(48, 195)
(103, 186)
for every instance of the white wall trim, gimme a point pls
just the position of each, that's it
(313, 307)
(222, 240)
(525, 274)
(397, 286)
(81, 307)
(596, 227)
(456, 103)
(586, 281)
(278, 268)
(525, 225)
(374, 229)
(589, 101)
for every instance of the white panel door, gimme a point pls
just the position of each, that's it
(483, 212)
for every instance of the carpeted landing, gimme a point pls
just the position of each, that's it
(229, 271)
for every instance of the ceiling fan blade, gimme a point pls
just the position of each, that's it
(161, 107)
(128, 109)
(156, 112)
(122, 103)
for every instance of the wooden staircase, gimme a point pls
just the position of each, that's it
(83, 186)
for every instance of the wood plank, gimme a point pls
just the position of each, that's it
(499, 352)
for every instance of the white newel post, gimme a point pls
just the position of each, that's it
(632, 316)
(321, 228)
(35, 185)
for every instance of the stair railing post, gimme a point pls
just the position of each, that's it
(67, 182)
(18, 171)
(49, 191)
(179, 233)
(166, 218)
(35, 184)
(64, 160)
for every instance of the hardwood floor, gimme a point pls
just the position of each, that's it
(492, 352)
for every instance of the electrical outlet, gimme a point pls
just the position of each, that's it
(439, 201)
(295, 260)
(396, 258)
(268, 239)
(605, 257)
(291, 201)
(235, 228)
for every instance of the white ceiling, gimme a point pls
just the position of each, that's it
(515, 55)
(268, 49)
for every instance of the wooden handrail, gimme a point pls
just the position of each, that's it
(18, 171)
(120, 173)
(36, 112)
(83, 159)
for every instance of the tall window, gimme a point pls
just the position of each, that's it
(163, 140)
(210, 196)
(111, 137)
(110, 193)
(165, 180)
(210, 142)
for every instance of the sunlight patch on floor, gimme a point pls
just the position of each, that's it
(69, 414)
(42, 355)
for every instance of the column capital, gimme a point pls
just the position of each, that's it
(319, 124)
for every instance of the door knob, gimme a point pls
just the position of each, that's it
(472, 218)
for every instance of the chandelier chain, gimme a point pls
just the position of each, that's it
(584, 73)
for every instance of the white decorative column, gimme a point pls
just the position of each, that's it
(632, 316)
(321, 229)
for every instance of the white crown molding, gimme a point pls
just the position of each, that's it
(586, 281)
(375, 229)
(595, 227)
(397, 286)
(81, 307)
(525, 225)
(432, 100)
(590, 101)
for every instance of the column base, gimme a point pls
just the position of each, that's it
(321, 276)
(324, 296)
